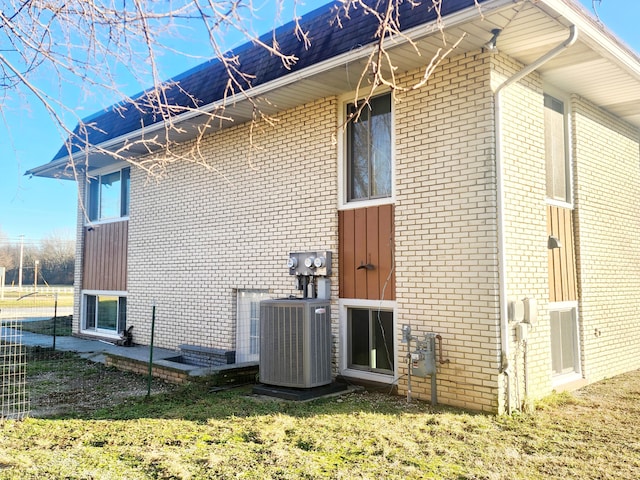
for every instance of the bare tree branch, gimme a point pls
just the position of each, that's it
(89, 44)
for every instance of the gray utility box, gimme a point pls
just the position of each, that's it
(295, 342)
(423, 359)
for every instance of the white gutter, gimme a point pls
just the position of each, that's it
(426, 29)
(502, 257)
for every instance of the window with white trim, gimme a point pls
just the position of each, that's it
(565, 345)
(248, 325)
(104, 313)
(108, 195)
(369, 150)
(370, 340)
(556, 151)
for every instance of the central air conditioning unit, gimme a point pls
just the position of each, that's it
(295, 342)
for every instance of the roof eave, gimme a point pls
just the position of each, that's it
(421, 31)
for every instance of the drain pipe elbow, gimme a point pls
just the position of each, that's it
(502, 257)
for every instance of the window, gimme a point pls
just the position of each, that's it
(369, 164)
(370, 342)
(556, 153)
(108, 196)
(565, 350)
(248, 325)
(105, 313)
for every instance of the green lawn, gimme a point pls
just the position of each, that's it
(62, 326)
(194, 433)
(17, 300)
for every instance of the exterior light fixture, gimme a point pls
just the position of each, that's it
(553, 242)
(491, 45)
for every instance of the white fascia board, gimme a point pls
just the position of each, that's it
(415, 33)
(597, 36)
(52, 166)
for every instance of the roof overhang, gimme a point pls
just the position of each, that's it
(595, 63)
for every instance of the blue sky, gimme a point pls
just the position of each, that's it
(37, 207)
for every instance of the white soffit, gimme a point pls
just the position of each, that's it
(598, 67)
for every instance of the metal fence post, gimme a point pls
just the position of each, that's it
(153, 327)
(55, 318)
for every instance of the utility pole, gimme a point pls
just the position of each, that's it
(35, 276)
(21, 256)
(2, 280)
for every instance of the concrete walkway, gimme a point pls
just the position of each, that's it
(93, 350)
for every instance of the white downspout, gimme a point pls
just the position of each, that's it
(502, 257)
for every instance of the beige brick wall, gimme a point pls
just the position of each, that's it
(199, 234)
(607, 207)
(606, 164)
(525, 221)
(446, 229)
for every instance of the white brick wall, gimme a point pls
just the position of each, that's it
(607, 207)
(199, 234)
(446, 228)
(525, 220)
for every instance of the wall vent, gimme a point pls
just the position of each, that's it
(295, 342)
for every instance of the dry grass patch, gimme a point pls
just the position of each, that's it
(192, 433)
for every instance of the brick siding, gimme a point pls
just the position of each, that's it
(607, 207)
(198, 235)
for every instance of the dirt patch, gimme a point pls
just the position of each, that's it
(63, 384)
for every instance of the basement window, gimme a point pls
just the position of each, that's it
(248, 324)
(370, 340)
(565, 345)
(104, 313)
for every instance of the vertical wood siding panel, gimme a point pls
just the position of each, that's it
(572, 290)
(562, 253)
(552, 277)
(87, 260)
(562, 265)
(366, 237)
(340, 253)
(125, 255)
(347, 255)
(105, 257)
(360, 236)
(557, 266)
(386, 243)
(373, 253)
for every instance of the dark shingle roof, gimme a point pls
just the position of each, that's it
(207, 82)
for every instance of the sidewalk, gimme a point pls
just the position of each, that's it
(93, 350)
